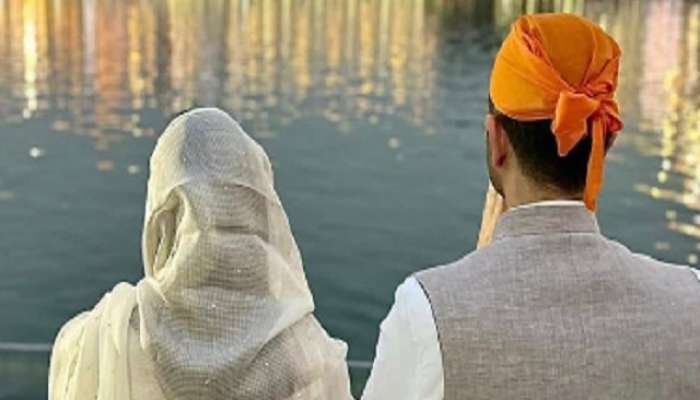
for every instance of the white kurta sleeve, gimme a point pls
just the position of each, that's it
(408, 362)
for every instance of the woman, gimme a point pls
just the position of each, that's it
(224, 311)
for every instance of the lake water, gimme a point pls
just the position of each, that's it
(371, 111)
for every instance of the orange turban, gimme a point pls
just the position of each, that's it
(564, 68)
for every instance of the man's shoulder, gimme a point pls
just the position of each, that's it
(463, 265)
(650, 263)
(481, 262)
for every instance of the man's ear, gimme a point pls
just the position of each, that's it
(498, 141)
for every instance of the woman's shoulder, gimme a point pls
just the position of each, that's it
(71, 330)
(64, 355)
(75, 357)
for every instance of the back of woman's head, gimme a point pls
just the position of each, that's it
(223, 273)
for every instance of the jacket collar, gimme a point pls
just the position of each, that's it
(546, 219)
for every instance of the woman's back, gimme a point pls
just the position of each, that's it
(224, 310)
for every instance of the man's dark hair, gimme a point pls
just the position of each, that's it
(536, 149)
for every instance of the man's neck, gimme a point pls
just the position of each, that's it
(522, 194)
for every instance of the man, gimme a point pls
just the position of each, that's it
(550, 309)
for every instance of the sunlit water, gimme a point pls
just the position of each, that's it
(370, 110)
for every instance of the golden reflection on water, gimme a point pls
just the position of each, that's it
(659, 97)
(100, 63)
(662, 73)
(94, 67)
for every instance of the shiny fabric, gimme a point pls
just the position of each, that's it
(564, 68)
(224, 311)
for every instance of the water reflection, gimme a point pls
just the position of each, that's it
(102, 68)
(665, 65)
(97, 65)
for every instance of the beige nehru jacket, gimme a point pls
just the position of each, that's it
(554, 310)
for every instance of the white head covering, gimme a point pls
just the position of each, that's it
(224, 311)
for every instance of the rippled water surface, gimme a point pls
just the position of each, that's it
(371, 111)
